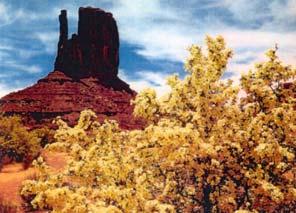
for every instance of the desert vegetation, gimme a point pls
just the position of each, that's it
(18, 143)
(205, 149)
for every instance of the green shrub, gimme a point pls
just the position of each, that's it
(17, 142)
(45, 134)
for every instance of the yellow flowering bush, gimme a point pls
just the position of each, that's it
(204, 150)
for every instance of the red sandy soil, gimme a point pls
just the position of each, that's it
(12, 176)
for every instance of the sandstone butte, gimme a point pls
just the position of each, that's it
(85, 76)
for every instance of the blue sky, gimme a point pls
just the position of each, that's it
(154, 35)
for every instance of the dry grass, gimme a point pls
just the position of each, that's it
(12, 176)
(9, 207)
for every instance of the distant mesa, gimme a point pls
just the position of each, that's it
(85, 76)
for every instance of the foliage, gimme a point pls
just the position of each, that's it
(45, 134)
(205, 150)
(16, 141)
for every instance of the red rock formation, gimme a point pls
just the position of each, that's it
(85, 77)
(94, 51)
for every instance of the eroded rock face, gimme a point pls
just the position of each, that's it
(93, 51)
(85, 77)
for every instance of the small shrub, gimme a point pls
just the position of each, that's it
(45, 134)
(16, 142)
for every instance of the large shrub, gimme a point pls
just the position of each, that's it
(205, 149)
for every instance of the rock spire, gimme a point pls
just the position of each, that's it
(84, 77)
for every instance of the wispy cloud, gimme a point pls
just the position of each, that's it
(250, 47)
(247, 10)
(4, 90)
(159, 31)
(7, 17)
(32, 69)
(147, 79)
(15, 58)
(283, 16)
(49, 40)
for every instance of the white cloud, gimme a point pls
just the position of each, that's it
(283, 13)
(148, 10)
(26, 54)
(246, 10)
(8, 60)
(168, 43)
(141, 25)
(9, 51)
(14, 65)
(10, 14)
(165, 31)
(5, 47)
(49, 40)
(291, 7)
(257, 38)
(158, 31)
(250, 46)
(3, 55)
(7, 16)
(31, 69)
(5, 89)
(147, 79)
